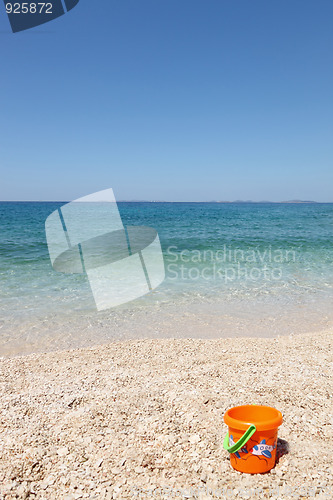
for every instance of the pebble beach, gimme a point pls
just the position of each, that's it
(144, 419)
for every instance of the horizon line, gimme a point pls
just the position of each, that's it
(182, 201)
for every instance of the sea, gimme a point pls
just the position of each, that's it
(231, 269)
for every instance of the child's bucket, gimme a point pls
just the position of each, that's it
(252, 437)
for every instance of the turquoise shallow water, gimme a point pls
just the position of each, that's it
(280, 253)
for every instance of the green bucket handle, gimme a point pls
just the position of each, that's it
(240, 443)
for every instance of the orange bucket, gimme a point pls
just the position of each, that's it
(252, 437)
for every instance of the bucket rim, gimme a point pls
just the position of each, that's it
(261, 424)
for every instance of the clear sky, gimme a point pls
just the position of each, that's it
(170, 100)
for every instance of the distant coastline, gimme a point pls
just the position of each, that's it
(234, 202)
(288, 201)
(230, 202)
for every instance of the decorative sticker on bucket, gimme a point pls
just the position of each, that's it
(232, 442)
(263, 449)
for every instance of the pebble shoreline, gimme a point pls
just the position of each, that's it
(144, 419)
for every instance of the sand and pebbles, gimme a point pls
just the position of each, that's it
(144, 419)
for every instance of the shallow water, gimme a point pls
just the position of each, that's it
(231, 269)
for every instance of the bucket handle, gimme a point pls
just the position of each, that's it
(240, 443)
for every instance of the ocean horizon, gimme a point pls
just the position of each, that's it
(267, 202)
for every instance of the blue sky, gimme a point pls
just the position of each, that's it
(170, 100)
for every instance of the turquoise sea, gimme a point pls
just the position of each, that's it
(238, 257)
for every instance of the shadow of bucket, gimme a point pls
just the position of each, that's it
(252, 437)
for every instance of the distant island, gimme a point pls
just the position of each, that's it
(223, 201)
(250, 201)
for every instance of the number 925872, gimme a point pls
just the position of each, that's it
(28, 8)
